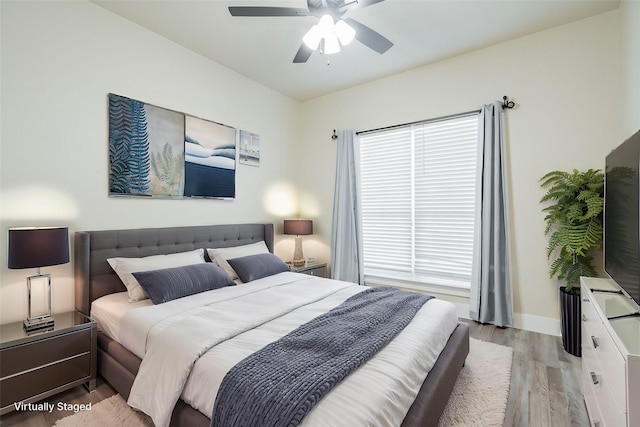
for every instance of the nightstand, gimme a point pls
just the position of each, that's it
(39, 364)
(317, 269)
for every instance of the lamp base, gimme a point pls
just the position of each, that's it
(298, 258)
(37, 324)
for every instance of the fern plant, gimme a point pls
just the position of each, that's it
(573, 223)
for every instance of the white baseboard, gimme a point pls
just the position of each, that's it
(543, 325)
(527, 322)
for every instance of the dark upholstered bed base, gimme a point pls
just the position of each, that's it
(118, 367)
(437, 387)
(95, 278)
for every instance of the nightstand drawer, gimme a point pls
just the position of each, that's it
(39, 365)
(315, 269)
(32, 355)
(32, 383)
(320, 271)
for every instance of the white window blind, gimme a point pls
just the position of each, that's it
(418, 185)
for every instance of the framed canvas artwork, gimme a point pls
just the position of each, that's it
(249, 148)
(156, 152)
(210, 159)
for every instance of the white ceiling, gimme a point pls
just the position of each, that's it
(423, 32)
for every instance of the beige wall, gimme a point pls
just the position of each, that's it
(565, 82)
(630, 66)
(576, 86)
(59, 62)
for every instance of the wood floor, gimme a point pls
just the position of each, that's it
(545, 384)
(545, 380)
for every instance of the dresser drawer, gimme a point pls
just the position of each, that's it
(23, 357)
(589, 361)
(591, 326)
(603, 371)
(611, 364)
(32, 383)
(611, 354)
(589, 315)
(595, 417)
(610, 413)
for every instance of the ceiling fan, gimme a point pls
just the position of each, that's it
(331, 31)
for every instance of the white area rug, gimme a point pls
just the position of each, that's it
(111, 412)
(479, 397)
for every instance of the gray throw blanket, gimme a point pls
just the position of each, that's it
(279, 384)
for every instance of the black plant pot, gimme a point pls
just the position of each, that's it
(570, 313)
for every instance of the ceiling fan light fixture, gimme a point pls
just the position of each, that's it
(312, 38)
(344, 32)
(325, 25)
(330, 33)
(331, 44)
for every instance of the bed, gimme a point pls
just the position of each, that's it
(94, 278)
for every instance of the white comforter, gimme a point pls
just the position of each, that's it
(188, 345)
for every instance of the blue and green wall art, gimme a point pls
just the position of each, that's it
(156, 152)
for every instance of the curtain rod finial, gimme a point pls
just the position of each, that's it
(506, 103)
(335, 135)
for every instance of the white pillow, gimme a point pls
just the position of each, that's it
(125, 266)
(221, 255)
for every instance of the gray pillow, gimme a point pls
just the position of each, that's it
(253, 267)
(171, 283)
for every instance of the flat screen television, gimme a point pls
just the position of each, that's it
(622, 216)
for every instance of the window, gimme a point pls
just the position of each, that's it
(418, 191)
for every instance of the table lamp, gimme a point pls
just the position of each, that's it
(36, 247)
(298, 227)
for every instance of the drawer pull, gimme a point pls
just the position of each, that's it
(594, 378)
(596, 424)
(584, 317)
(594, 340)
(585, 300)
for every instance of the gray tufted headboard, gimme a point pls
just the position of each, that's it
(95, 278)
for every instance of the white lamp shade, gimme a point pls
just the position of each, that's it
(325, 25)
(331, 44)
(330, 34)
(312, 38)
(345, 32)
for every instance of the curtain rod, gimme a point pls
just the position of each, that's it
(505, 104)
(450, 116)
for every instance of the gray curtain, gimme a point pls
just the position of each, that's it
(346, 230)
(491, 276)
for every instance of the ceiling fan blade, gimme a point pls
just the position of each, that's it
(364, 3)
(267, 11)
(368, 37)
(304, 53)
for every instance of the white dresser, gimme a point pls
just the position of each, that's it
(610, 355)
